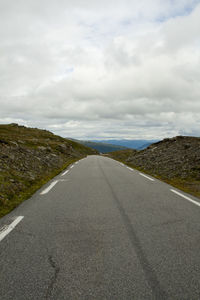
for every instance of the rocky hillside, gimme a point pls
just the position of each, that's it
(122, 155)
(29, 157)
(175, 160)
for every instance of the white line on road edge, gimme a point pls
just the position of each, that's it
(49, 187)
(9, 228)
(76, 163)
(147, 177)
(71, 166)
(65, 173)
(187, 198)
(129, 168)
(121, 164)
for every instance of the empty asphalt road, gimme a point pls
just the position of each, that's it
(101, 230)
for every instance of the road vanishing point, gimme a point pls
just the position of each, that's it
(101, 230)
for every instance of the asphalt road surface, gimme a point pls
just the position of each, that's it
(101, 230)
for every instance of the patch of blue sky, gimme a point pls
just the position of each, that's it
(190, 7)
(184, 11)
(69, 70)
(64, 74)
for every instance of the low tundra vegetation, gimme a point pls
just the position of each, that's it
(29, 157)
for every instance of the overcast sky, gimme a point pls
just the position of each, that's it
(94, 69)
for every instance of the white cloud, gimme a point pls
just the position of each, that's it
(92, 69)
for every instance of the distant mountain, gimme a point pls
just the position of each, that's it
(133, 144)
(101, 147)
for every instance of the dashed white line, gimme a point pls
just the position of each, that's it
(121, 164)
(7, 229)
(71, 166)
(65, 173)
(146, 177)
(185, 197)
(49, 187)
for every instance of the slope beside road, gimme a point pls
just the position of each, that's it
(101, 230)
(30, 157)
(174, 160)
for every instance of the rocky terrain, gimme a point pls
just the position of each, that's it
(29, 157)
(175, 160)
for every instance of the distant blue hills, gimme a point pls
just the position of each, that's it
(105, 146)
(133, 144)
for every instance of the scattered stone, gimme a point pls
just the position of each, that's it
(175, 157)
(42, 148)
(28, 155)
(14, 143)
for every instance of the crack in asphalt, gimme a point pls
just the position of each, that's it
(150, 274)
(55, 275)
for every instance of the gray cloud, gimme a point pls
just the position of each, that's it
(99, 69)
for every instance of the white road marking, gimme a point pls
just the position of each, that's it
(71, 166)
(49, 187)
(76, 163)
(129, 168)
(65, 173)
(146, 177)
(185, 197)
(121, 164)
(7, 229)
